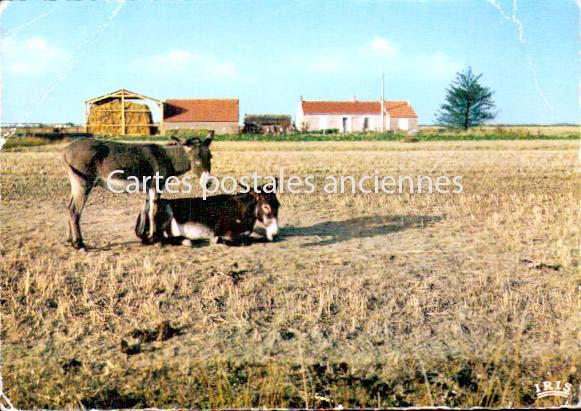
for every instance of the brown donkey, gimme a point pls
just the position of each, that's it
(109, 165)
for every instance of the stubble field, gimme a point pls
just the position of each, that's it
(365, 299)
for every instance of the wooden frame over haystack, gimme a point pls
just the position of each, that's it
(122, 95)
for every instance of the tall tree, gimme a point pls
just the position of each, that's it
(467, 102)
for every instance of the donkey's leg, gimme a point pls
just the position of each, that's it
(80, 189)
(69, 221)
(75, 211)
(74, 188)
(142, 224)
(153, 198)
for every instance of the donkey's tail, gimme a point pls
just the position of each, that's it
(70, 167)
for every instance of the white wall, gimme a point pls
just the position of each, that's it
(299, 118)
(354, 122)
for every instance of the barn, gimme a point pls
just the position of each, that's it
(356, 116)
(120, 113)
(220, 115)
(267, 123)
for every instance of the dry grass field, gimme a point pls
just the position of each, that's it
(365, 299)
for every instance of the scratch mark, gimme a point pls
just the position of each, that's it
(515, 20)
(579, 154)
(6, 35)
(579, 5)
(512, 18)
(80, 50)
(5, 403)
(15, 30)
(522, 39)
(3, 7)
(538, 86)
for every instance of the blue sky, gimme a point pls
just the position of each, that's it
(56, 55)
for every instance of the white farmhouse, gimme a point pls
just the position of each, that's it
(356, 116)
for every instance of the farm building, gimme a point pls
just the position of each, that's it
(356, 116)
(118, 113)
(267, 123)
(220, 115)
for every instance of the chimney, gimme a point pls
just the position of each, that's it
(355, 99)
(301, 99)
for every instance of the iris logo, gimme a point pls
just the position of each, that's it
(553, 389)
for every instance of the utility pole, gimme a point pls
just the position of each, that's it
(123, 128)
(382, 104)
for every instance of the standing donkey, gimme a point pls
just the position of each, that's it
(90, 162)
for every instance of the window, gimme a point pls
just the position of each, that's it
(366, 124)
(345, 119)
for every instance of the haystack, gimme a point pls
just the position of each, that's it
(106, 118)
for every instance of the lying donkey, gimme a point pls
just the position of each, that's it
(90, 162)
(226, 217)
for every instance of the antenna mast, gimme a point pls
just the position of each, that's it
(382, 104)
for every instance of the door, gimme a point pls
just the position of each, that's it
(347, 124)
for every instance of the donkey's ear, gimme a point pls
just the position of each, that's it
(209, 138)
(256, 193)
(177, 140)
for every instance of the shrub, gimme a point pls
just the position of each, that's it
(187, 132)
(325, 131)
(410, 139)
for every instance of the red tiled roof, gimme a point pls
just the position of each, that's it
(394, 108)
(211, 110)
(397, 109)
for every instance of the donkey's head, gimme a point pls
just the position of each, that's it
(266, 211)
(199, 155)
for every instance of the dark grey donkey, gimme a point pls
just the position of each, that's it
(91, 162)
(225, 217)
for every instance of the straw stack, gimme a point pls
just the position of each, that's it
(106, 118)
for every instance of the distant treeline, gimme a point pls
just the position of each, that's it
(24, 139)
(363, 137)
